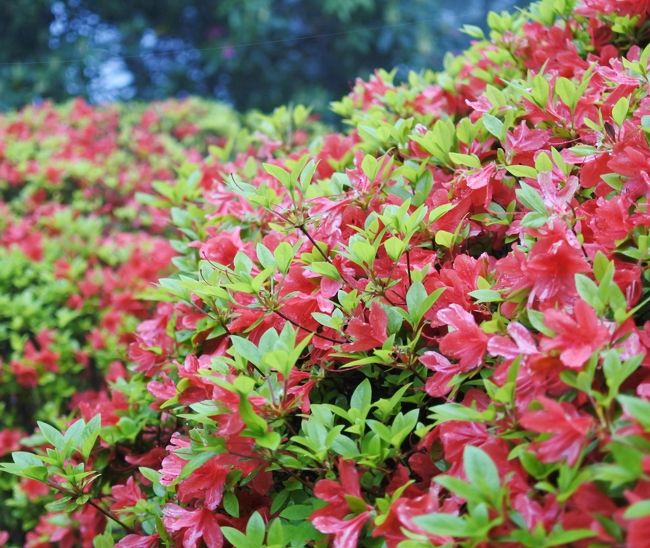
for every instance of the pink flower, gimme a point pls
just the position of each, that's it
(367, 335)
(466, 342)
(340, 496)
(195, 525)
(570, 430)
(577, 337)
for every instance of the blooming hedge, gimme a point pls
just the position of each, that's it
(431, 329)
(77, 249)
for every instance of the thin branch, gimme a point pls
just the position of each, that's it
(107, 513)
(314, 242)
(314, 333)
(408, 266)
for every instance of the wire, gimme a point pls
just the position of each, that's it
(238, 46)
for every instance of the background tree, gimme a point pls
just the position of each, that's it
(257, 53)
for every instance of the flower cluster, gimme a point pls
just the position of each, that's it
(429, 330)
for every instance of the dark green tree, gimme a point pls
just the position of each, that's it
(252, 53)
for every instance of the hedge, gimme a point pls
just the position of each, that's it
(430, 329)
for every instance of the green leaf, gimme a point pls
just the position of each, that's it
(255, 529)
(567, 538)
(473, 31)
(297, 512)
(284, 255)
(528, 196)
(415, 297)
(362, 397)
(271, 440)
(443, 524)
(444, 238)
(637, 510)
(152, 475)
(458, 412)
(481, 471)
(588, 290)
(459, 487)
(533, 219)
(246, 349)
(637, 408)
(235, 537)
(494, 125)
(256, 423)
(567, 92)
(279, 173)
(51, 435)
(328, 269)
(89, 435)
(438, 212)
(394, 247)
(231, 504)
(619, 112)
(276, 536)
(486, 296)
(72, 436)
(536, 319)
(522, 171)
(469, 160)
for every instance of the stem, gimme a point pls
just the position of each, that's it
(112, 516)
(408, 266)
(321, 252)
(314, 243)
(107, 513)
(314, 333)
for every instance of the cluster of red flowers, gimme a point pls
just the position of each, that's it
(430, 330)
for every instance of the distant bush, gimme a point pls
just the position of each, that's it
(78, 251)
(429, 330)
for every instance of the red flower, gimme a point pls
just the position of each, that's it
(444, 371)
(126, 495)
(195, 525)
(33, 488)
(570, 430)
(9, 440)
(367, 335)
(466, 342)
(576, 338)
(139, 541)
(340, 497)
(552, 265)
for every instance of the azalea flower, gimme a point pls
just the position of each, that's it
(466, 341)
(576, 337)
(344, 498)
(370, 334)
(569, 428)
(193, 526)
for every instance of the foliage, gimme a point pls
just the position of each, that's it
(77, 250)
(258, 53)
(429, 330)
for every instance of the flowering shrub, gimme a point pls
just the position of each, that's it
(429, 330)
(76, 251)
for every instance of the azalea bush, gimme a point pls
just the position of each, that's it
(431, 329)
(77, 251)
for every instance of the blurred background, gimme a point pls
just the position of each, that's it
(249, 53)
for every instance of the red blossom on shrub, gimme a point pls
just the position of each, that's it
(569, 430)
(193, 526)
(342, 499)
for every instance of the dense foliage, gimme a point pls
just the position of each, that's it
(77, 250)
(257, 53)
(429, 330)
